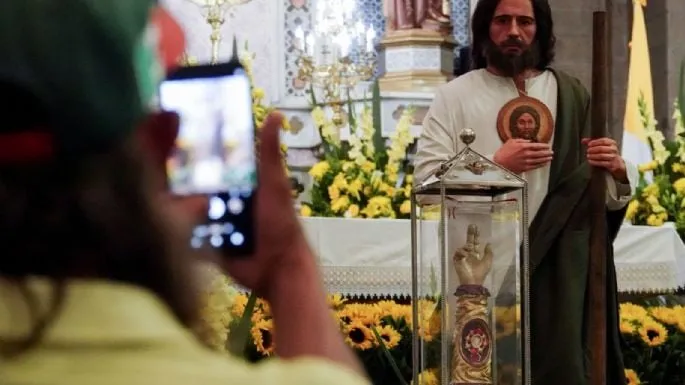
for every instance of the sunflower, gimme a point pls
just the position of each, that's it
(427, 377)
(386, 307)
(238, 307)
(336, 301)
(402, 312)
(430, 325)
(218, 297)
(681, 324)
(627, 327)
(629, 311)
(263, 306)
(391, 338)
(631, 377)
(367, 314)
(262, 334)
(257, 316)
(505, 321)
(665, 315)
(359, 336)
(653, 333)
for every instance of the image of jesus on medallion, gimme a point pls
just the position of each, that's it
(524, 123)
(513, 46)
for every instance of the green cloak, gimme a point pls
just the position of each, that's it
(559, 256)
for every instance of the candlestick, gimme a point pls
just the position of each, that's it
(343, 42)
(370, 37)
(348, 8)
(360, 29)
(299, 37)
(309, 44)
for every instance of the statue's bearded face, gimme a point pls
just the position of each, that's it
(512, 48)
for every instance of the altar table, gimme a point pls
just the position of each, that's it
(372, 257)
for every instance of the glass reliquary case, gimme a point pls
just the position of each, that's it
(470, 273)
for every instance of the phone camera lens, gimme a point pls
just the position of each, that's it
(235, 206)
(216, 240)
(217, 209)
(237, 239)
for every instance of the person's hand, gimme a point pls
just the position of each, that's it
(281, 247)
(604, 153)
(470, 263)
(519, 155)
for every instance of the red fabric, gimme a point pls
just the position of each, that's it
(171, 38)
(26, 146)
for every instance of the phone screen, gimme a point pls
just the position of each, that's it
(215, 151)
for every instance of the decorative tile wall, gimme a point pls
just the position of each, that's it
(297, 13)
(460, 16)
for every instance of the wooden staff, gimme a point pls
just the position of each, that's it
(598, 237)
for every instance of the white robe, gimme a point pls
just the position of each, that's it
(473, 101)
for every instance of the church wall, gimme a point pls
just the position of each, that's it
(573, 28)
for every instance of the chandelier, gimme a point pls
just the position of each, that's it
(215, 12)
(337, 54)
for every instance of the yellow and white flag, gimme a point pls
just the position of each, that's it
(636, 147)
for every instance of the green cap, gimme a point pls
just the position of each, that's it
(92, 64)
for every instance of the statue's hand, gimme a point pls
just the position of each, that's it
(470, 264)
(483, 267)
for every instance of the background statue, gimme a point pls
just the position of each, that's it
(416, 14)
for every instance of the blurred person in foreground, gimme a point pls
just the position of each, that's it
(97, 282)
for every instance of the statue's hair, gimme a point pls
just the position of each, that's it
(480, 32)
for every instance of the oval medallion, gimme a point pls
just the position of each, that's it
(476, 343)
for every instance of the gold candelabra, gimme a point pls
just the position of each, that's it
(215, 14)
(325, 59)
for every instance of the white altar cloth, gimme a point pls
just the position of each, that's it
(373, 257)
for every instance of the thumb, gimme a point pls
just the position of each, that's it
(270, 155)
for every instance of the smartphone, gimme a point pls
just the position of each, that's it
(215, 151)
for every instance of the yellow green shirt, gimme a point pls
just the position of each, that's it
(109, 333)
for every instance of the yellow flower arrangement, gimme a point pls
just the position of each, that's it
(655, 335)
(220, 296)
(631, 377)
(259, 109)
(656, 343)
(428, 377)
(356, 178)
(368, 328)
(661, 198)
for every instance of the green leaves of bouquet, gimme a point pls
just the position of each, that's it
(361, 177)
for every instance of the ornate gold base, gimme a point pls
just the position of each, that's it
(406, 53)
